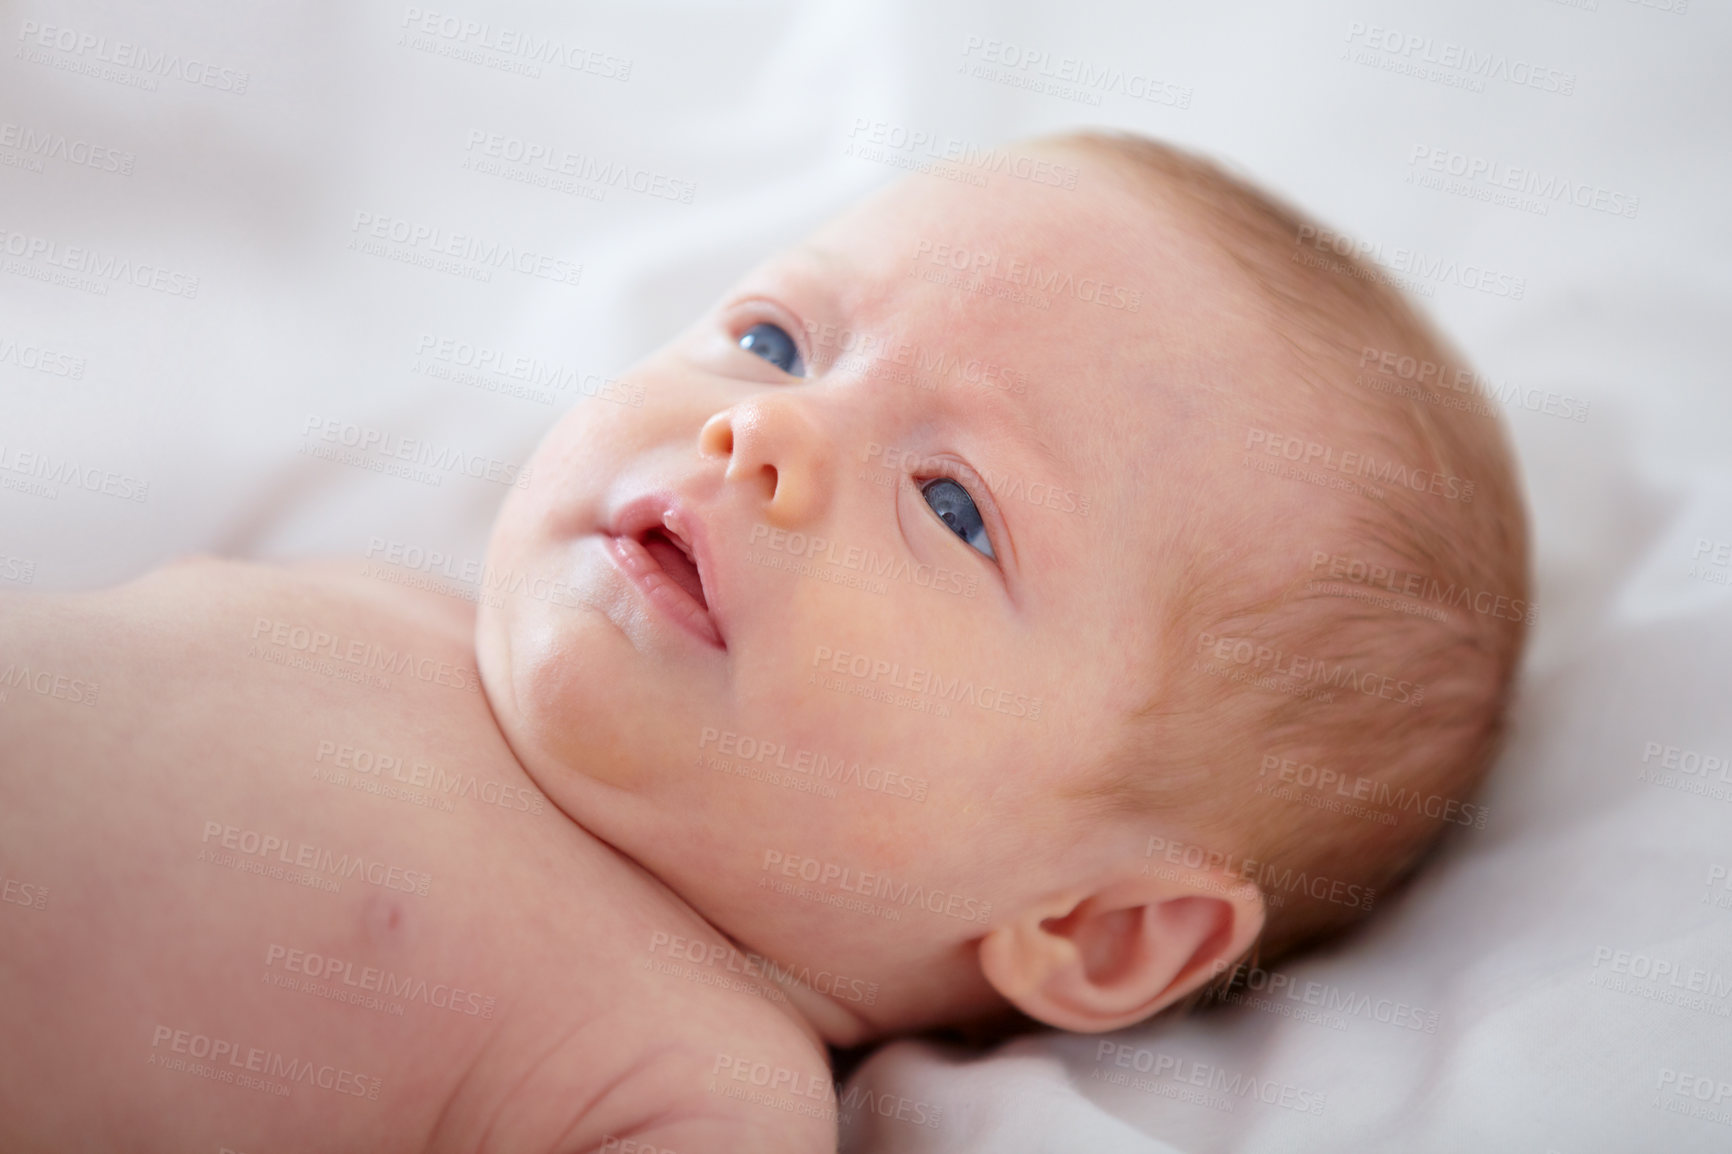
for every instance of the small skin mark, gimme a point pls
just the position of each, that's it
(386, 922)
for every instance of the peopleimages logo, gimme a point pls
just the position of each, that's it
(757, 966)
(1348, 462)
(1430, 59)
(1378, 793)
(862, 559)
(1267, 661)
(42, 144)
(38, 359)
(1433, 382)
(73, 474)
(102, 268)
(1276, 882)
(1407, 268)
(817, 765)
(374, 980)
(419, 774)
(426, 244)
(579, 166)
(122, 54)
(446, 30)
(390, 447)
(48, 683)
(366, 655)
(1323, 1002)
(880, 886)
(1015, 271)
(1496, 177)
(929, 145)
(1420, 587)
(252, 843)
(922, 683)
(1230, 1084)
(493, 369)
(1066, 77)
(230, 1061)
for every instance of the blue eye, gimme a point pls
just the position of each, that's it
(773, 343)
(956, 508)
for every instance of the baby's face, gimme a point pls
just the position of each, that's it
(924, 463)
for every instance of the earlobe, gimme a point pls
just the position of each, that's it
(1098, 960)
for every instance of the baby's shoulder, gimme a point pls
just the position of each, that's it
(230, 644)
(323, 615)
(324, 584)
(691, 1063)
(199, 591)
(637, 1026)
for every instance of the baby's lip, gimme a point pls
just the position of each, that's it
(664, 511)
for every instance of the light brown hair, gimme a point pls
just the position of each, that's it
(1368, 368)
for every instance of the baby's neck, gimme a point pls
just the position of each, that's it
(825, 1019)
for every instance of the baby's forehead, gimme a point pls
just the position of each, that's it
(1056, 243)
(1096, 311)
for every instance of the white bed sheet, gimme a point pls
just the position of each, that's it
(201, 405)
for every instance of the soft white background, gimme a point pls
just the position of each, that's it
(757, 103)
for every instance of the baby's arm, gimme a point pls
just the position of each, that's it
(713, 1075)
(679, 1131)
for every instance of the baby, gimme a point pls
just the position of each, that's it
(1038, 601)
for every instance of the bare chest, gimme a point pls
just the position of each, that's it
(289, 889)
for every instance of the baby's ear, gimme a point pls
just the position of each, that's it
(1111, 955)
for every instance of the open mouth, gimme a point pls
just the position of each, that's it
(676, 561)
(664, 566)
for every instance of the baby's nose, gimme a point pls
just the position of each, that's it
(775, 449)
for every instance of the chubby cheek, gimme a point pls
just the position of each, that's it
(573, 462)
(909, 683)
(556, 706)
(851, 753)
(840, 858)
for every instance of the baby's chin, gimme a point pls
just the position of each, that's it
(572, 716)
(517, 684)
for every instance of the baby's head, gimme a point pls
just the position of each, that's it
(1096, 580)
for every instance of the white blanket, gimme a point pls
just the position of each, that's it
(237, 237)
